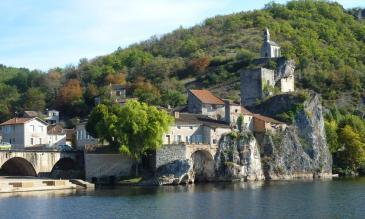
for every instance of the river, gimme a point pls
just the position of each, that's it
(342, 198)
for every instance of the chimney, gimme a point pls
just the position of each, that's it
(177, 114)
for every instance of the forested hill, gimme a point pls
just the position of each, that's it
(327, 42)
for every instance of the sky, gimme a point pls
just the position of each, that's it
(55, 33)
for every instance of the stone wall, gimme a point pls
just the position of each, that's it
(106, 166)
(253, 83)
(170, 153)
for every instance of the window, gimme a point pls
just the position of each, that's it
(236, 110)
(178, 127)
(187, 139)
(13, 140)
(214, 141)
(40, 140)
(31, 141)
(191, 127)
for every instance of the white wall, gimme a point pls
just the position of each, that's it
(35, 133)
(14, 134)
(287, 84)
(83, 138)
(55, 140)
(188, 134)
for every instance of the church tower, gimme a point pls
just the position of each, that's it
(270, 49)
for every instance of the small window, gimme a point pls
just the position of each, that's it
(191, 127)
(178, 127)
(236, 110)
(31, 141)
(214, 141)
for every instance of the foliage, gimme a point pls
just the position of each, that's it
(134, 128)
(346, 141)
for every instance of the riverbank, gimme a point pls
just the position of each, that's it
(29, 184)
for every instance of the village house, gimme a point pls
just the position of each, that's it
(233, 111)
(206, 103)
(56, 135)
(195, 129)
(83, 138)
(263, 124)
(116, 93)
(25, 132)
(50, 116)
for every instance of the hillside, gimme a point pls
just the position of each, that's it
(326, 41)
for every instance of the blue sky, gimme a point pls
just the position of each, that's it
(45, 34)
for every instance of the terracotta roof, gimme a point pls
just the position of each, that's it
(266, 119)
(205, 96)
(55, 130)
(198, 119)
(15, 121)
(245, 111)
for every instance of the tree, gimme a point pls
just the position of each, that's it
(34, 99)
(353, 154)
(146, 92)
(135, 128)
(8, 97)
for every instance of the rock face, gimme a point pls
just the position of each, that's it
(238, 158)
(301, 150)
(175, 173)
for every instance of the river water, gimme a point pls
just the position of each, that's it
(343, 198)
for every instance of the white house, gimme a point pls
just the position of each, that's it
(56, 135)
(25, 132)
(83, 138)
(53, 116)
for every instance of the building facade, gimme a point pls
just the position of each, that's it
(83, 138)
(56, 135)
(206, 103)
(25, 132)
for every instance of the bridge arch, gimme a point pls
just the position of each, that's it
(203, 165)
(18, 166)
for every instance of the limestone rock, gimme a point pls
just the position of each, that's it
(301, 151)
(175, 173)
(238, 158)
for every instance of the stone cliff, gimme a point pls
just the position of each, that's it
(238, 158)
(301, 150)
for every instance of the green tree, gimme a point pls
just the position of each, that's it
(134, 128)
(353, 153)
(34, 99)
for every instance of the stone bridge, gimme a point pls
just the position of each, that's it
(38, 163)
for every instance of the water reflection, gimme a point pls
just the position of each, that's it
(298, 199)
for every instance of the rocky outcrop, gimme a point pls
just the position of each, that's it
(238, 158)
(175, 173)
(301, 150)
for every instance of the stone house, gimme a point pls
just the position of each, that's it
(83, 138)
(195, 129)
(263, 124)
(56, 135)
(206, 103)
(256, 84)
(270, 49)
(25, 132)
(233, 111)
(116, 93)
